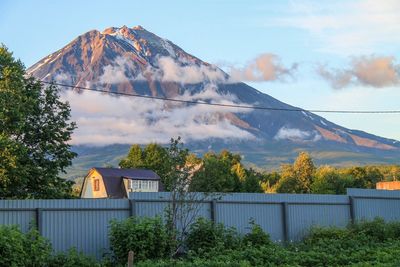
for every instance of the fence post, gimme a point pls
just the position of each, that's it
(352, 211)
(285, 221)
(38, 219)
(213, 210)
(132, 207)
(131, 256)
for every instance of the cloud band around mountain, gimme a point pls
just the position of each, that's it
(138, 120)
(265, 67)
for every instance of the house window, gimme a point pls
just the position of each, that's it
(96, 185)
(143, 186)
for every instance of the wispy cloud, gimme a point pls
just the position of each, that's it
(345, 27)
(265, 67)
(371, 71)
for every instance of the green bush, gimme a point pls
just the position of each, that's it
(205, 236)
(256, 237)
(72, 258)
(12, 249)
(19, 249)
(37, 247)
(197, 262)
(148, 238)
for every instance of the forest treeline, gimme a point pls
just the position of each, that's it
(225, 172)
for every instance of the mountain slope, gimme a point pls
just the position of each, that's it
(134, 60)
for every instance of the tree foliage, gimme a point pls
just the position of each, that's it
(225, 172)
(34, 131)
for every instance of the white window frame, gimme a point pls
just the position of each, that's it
(137, 185)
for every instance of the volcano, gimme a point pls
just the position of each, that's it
(135, 61)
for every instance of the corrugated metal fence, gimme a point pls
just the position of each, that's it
(83, 223)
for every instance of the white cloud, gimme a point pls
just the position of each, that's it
(265, 67)
(122, 70)
(293, 134)
(104, 119)
(172, 71)
(370, 71)
(166, 69)
(62, 77)
(347, 27)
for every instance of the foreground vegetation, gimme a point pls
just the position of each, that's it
(374, 243)
(209, 244)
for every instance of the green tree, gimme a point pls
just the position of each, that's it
(329, 181)
(269, 181)
(365, 177)
(252, 183)
(297, 178)
(34, 131)
(304, 169)
(134, 159)
(394, 173)
(289, 184)
(215, 175)
(157, 158)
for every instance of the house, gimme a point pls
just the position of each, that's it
(393, 185)
(117, 183)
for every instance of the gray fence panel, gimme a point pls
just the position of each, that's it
(302, 217)
(368, 209)
(84, 229)
(158, 208)
(150, 209)
(259, 197)
(80, 223)
(371, 203)
(356, 192)
(22, 219)
(238, 215)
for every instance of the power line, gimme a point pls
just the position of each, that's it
(228, 105)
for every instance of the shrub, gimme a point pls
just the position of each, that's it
(148, 238)
(377, 229)
(37, 247)
(19, 249)
(72, 258)
(197, 262)
(256, 237)
(205, 235)
(12, 243)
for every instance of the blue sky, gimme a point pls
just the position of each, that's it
(346, 52)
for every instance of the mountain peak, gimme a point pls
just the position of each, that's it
(138, 28)
(123, 29)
